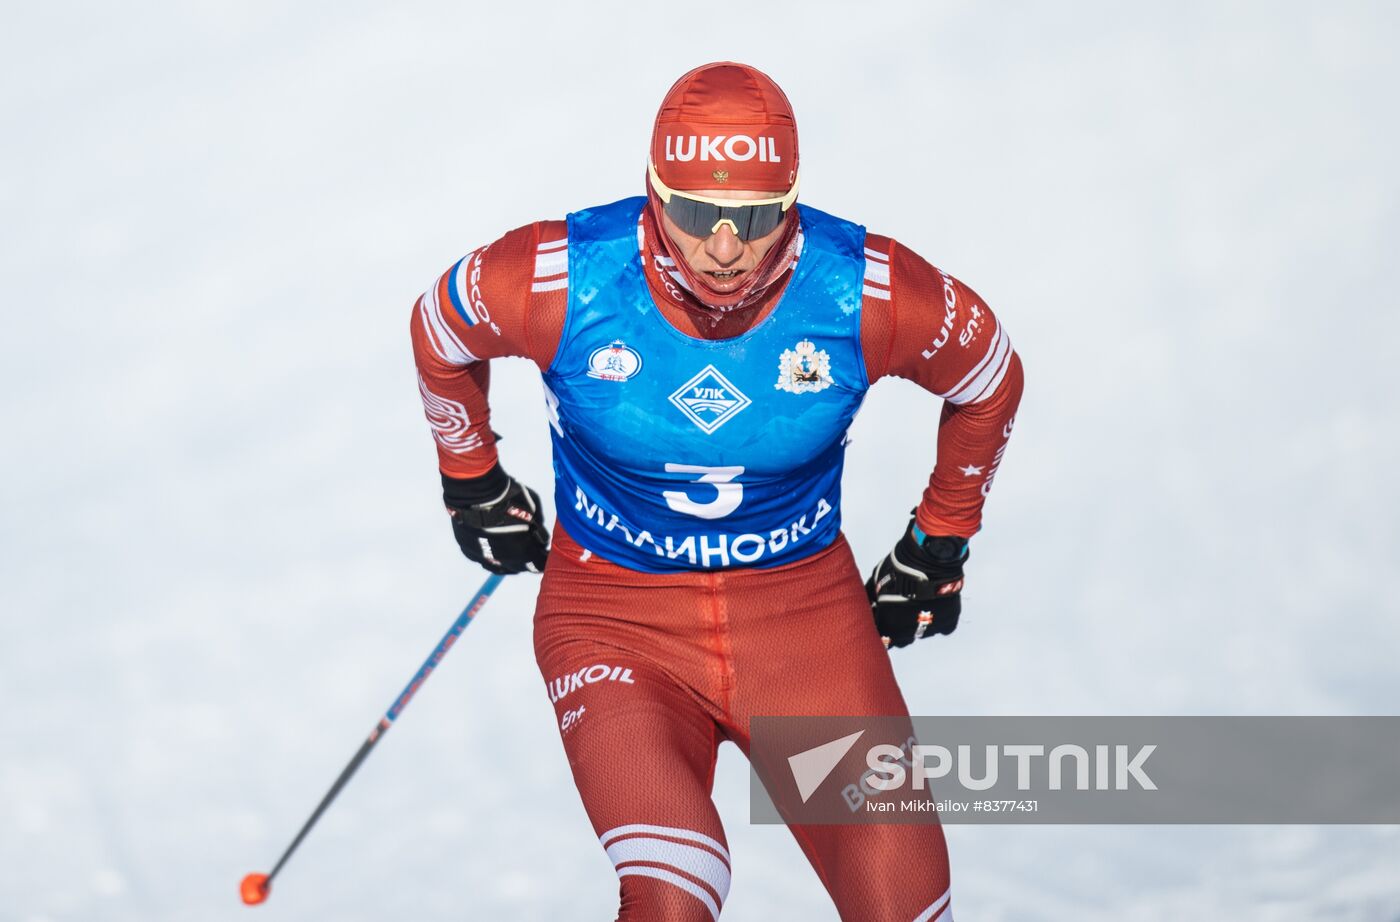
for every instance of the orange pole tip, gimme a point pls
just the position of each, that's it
(253, 889)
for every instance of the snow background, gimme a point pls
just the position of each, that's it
(222, 547)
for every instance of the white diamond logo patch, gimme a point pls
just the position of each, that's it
(709, 400)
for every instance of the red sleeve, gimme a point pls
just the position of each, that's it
(922, 324)
(505, 299)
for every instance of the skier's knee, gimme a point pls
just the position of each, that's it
(666, 894)
(678, 899)
(667, 874)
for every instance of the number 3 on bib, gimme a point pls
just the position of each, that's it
(728, 494)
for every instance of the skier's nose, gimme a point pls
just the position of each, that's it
(723, 246)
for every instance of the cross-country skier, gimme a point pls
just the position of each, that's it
(704, 349)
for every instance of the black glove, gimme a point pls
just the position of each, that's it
(497, 522)
(917, 589)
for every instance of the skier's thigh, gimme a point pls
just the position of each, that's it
(642, 752)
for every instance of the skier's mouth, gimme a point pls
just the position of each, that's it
(724, 277)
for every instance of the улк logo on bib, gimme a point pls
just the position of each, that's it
(804, 370)
(709, 400)
(616, 361)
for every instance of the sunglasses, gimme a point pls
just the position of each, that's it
(700, 216)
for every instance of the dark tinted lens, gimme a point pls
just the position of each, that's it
(697, 218)
(754, 220)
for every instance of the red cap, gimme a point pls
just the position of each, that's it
(725, 125)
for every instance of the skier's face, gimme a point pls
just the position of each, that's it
(722, 258)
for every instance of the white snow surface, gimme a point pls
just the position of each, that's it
(223, 549)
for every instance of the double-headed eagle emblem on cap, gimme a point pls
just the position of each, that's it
(804, 370)
(720, 175)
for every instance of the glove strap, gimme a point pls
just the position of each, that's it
(464, 493)
(919, 537)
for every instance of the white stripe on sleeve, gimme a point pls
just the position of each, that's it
(445, 342)
(990, 374)
(553, 263)
(992, 385)
(977, 369)
(877, 271)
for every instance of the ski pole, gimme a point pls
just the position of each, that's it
(255, 887)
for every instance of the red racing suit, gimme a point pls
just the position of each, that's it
(649, 672)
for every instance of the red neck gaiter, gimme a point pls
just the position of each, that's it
(690, 290)
(722, 126)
